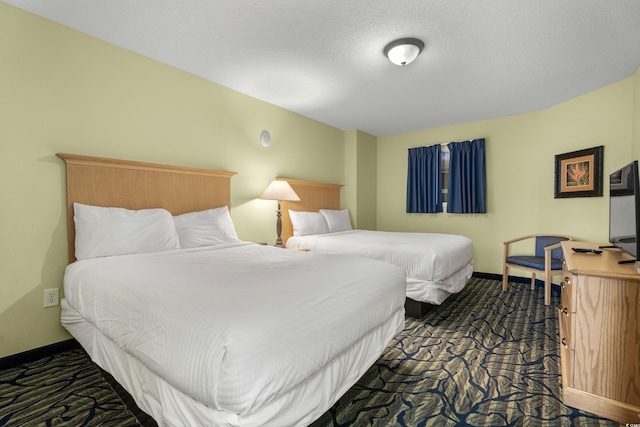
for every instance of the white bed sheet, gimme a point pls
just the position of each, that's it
(241, 338)
(436, 265)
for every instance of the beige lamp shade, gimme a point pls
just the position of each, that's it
(281, 191)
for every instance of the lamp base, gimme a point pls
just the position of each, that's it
(279, 227)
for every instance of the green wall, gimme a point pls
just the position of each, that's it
(62, 91)
(359, 193)
(520, 152)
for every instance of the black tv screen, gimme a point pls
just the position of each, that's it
(624, 209)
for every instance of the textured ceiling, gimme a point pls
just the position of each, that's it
(323, 59)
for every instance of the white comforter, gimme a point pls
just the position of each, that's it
(236, 325)
(443, 261)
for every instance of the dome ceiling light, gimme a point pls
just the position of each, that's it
(403, 51)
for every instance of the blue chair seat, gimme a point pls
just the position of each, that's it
(536, 262)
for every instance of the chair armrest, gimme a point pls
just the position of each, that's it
(518, 239)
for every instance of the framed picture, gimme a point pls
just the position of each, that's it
(579, 173)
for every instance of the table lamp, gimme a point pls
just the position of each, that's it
(280, 191)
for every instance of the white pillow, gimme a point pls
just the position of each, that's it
(117, 231)
(205, 228)
(337, 220)
(305, 223)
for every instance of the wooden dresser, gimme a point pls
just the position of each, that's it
(600, 334)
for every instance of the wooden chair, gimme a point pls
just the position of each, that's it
(547, 259)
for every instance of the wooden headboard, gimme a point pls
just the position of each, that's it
(126, 184)
(313, 196)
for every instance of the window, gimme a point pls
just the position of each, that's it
(449, 177)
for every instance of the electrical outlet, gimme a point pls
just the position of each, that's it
(51, 297)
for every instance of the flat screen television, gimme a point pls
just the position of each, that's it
(624, 210)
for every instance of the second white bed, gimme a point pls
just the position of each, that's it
(436, 265)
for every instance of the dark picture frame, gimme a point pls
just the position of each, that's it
(579, 173)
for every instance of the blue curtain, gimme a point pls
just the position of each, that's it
(424, 180)
(467, 177)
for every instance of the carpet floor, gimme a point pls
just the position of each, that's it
(483, 358)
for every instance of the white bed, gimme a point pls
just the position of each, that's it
(228, 334)
(436, 265)
(240, 334)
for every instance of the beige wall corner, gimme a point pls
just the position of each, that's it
(360, 191)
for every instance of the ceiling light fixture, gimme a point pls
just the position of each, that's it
(403, 51)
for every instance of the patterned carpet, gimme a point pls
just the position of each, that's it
(66, 389)
(483, 358)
